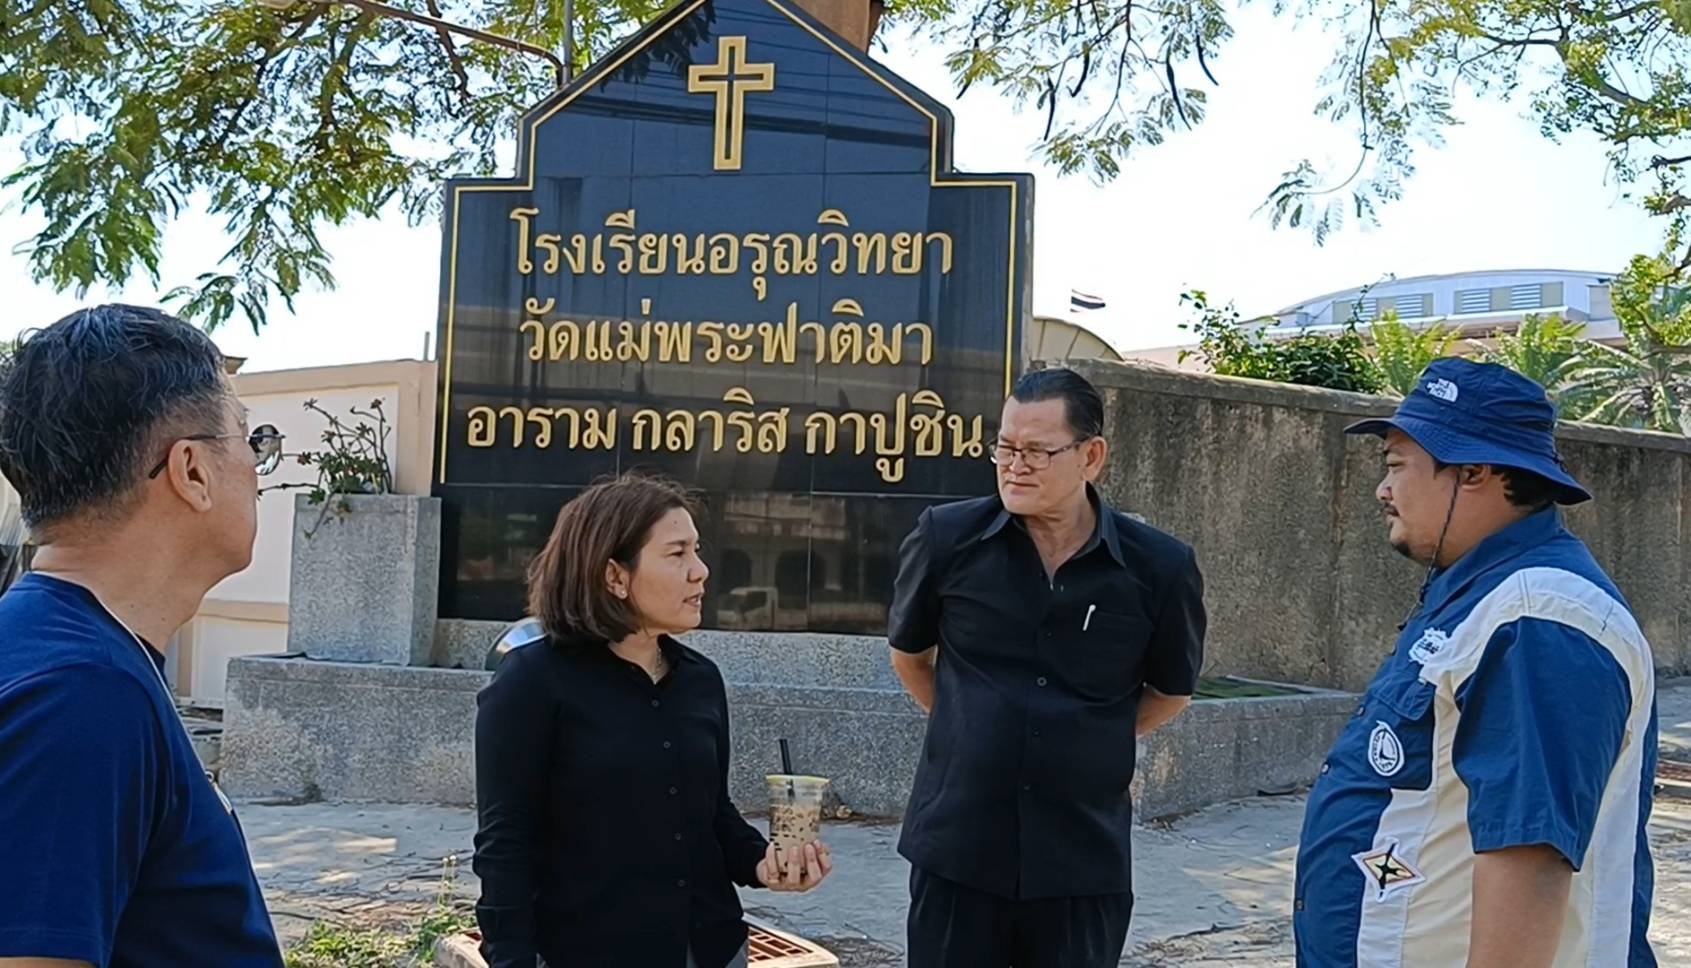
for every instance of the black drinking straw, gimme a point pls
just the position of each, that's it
(787, 768)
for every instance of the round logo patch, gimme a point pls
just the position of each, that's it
(1385, 753)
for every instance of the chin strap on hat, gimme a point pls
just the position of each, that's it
(1438, 549)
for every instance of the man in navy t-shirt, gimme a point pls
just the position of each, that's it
(138, 481)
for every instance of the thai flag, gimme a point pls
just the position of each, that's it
(1080, 301)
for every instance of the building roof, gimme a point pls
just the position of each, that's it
(1384, 286)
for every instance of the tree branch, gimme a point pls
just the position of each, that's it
(1643, 7)
(451, 51)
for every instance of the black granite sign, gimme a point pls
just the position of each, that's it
(734, 253)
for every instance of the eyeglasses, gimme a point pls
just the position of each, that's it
(1033, 458)
(265, 441)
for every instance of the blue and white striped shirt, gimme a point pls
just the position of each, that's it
(1518, 709)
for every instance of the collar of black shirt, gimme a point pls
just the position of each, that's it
(674, 653)
(1104, 530)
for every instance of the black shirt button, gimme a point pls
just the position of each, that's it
(677, 836)
(666, 744)
(655, 704)
(1036, 734)
(1026, 787)
(673, 791)
(1040, 680)
(681, 883)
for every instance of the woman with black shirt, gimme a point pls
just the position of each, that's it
(607, 839)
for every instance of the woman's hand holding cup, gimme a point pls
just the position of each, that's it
(799, 869)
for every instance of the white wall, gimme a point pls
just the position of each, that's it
(246, 613)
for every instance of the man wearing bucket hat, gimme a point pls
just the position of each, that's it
(1486, 805)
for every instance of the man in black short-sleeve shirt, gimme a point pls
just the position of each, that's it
(1043, 631)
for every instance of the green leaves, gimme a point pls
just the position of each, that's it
(1644, 384)
(1338, 360)
(286, 121)
(280, 121)
(1402, 351)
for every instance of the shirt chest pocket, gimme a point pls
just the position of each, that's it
(1103, 656)
(1398, 723)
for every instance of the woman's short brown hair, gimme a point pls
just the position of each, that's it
(607, 522)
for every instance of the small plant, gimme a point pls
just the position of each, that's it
(339, 946)
(446, 919)
(354, 460)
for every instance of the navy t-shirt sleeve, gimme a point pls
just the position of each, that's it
(1544, 717)
(1176, 650)
(80, 775)
(913, 620)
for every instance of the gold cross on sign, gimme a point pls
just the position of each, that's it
(730, 79)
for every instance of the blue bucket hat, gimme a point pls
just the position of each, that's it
(1463, 412)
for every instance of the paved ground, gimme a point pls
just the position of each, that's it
(1214, 887)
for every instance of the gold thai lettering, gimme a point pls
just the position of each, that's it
(538, 350)
(550, 243)
(772, 431)
(675, 342)
(713, 333)
(871, 251)
(682, 434)
(483, 431)
(834, 216)
(576, 255)
(685, 264)
(844, 342)
(521, 216)
(820, 421)
(861, 423)
(544, 419)
(917, 427)
(654, 254)
(961, 445)
(759, 266)
(725, 254)
(795, 256)
(929, 429)
(623, 240)
(832, 249)
(634, 347)
(739, 348)
(780, 340)
(517, 423)
(590, 429)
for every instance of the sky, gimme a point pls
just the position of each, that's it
(1180, 216)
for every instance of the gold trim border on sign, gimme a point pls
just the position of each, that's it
(587, 82)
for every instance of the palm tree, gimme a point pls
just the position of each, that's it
(1646, 383)
(1402, 351)
(1550, 351)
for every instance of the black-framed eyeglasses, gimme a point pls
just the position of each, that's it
(265, 441)
(1033, 458)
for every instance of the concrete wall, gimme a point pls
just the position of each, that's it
(1280, 506)
(296, 728)
(247, 613)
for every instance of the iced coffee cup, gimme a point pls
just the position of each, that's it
(795, 810)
